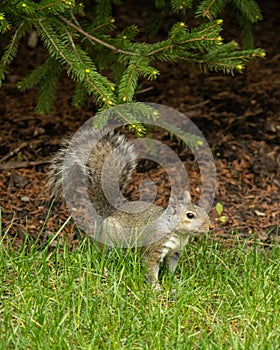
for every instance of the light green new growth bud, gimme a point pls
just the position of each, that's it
(219, 21)
(107, 101)
(239, 67)
(219, 40)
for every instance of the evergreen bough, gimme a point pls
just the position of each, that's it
(82, 39)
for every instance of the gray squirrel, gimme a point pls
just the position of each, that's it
(167, 230)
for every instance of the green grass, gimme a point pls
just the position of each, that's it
(226, 298)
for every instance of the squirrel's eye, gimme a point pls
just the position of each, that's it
(190, 215)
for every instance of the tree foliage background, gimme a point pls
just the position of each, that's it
(83, 39)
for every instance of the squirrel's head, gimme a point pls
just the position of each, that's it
(192, 220)
(195, 220)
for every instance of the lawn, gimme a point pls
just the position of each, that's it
(222, 297)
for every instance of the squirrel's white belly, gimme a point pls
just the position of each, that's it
(174, 244)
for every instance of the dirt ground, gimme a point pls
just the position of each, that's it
(239, 117)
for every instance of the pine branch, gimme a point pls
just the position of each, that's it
(210, 8)
(79, 97)
(202, 39)
(130, 113)
(94, 39)
(81, 69)
(47, 88)
(191, 140)
(54, 47)
(4, 24)
(247, 38)
(56, 6)
(250, 9)
(12, 49)
(181, 5)
(36, 75)
(89, 50)
(129, 79)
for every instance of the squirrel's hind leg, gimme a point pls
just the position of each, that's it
(152, 272)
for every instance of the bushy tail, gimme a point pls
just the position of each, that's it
(81, 161)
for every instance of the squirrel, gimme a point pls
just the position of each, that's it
(168, 229)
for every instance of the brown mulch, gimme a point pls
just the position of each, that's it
(239, 116)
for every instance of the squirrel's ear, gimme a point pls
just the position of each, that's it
(187, 197)
(173, 201)
(176, 207)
